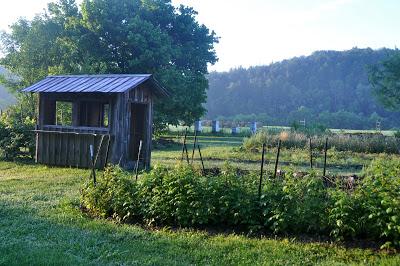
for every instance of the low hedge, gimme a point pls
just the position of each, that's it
(183, 197)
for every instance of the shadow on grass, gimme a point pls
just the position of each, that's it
(67, 237)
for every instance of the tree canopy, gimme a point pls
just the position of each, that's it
(118, 36)
(327, 87)
(385, 80)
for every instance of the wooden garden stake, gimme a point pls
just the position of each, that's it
(201, 159)
(187, 154)
(137, 161)
(93, 174)
(262, 171)
(326, 151)
(277, 158)
(107, 151)
(194, 144)
(184, 144)
(311, 155)
(99, 149)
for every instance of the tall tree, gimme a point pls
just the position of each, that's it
(385, 80)
(118, 36)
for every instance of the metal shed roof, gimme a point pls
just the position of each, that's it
(110, 83)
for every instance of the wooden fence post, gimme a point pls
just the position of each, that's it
(262, 171)
(99, 150)
(184, 143)
(311, 155)
(93, 174)
(137, 161)
(107, 151)
(187, 154)
(326, 151)
(201, 159)
(277, 158)
(194, 144)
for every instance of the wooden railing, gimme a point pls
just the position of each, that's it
(92, 130)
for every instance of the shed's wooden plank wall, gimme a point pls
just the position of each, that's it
(70, 149)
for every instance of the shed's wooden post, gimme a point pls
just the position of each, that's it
(149, 133)
(41, 111)
(75, 113)
(117, 127)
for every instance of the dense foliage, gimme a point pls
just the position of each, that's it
(327, 87)
(173, 197)
(385, 79)
(6, 98)
(288, 205)
(362, 143)
(17, 138)
(118, 36)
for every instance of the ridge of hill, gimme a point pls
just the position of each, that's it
(327, 87)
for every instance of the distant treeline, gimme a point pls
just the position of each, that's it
(327, 87)
(6, 98)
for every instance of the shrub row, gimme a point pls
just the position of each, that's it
(365, 144)
(182, 197)
(16, 137)
(179, 196)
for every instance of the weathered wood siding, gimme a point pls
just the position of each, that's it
(121, 125)
(67, 147)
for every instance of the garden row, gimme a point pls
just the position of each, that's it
(183, 197)
(362, 143)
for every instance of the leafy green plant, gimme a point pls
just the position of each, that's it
(372, 210)
(344, 215)
(16, 135)
(181, 196)
(114, 195)
(174, 197)
(236, 200)
(380, 191)
(295, 205)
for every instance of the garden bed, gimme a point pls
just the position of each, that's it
(288, 205)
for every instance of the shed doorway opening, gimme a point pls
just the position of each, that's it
(138, 131)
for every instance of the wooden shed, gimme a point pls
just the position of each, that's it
(111, 113)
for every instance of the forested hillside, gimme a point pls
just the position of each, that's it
(327, 87)
(5, 97)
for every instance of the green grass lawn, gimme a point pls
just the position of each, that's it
(41, 224)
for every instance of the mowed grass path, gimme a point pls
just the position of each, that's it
(41, 224)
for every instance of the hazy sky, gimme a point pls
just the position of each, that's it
(255, 32)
